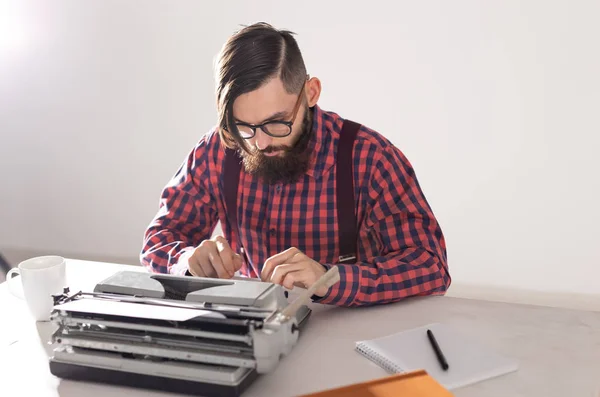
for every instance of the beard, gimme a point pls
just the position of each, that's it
(287, 167)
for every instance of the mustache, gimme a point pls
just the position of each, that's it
(271, 149)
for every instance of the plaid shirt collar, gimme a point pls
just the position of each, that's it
(322, 143)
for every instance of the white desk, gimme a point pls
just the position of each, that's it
(558, 349)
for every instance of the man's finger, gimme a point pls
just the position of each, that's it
(205, 264)
(277, 260)
(216, 262)
(281, 271)
(227, 255)
(194, 266)
(299, 278)
(238, 262)
(297, 258)
(201, 257)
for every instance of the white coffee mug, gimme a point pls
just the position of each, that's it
(41, 277)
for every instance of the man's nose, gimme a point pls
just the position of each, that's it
(262, 140)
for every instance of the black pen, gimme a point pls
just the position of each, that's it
(438, 351)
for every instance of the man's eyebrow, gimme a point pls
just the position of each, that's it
(272, 117)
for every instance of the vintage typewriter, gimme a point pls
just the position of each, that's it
(201, 336)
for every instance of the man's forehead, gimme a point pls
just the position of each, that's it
(270, 101)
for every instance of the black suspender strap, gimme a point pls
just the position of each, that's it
(231, 175)
(345, 193)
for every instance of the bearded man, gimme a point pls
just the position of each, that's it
(297, 190)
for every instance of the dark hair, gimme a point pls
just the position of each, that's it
(251, 57)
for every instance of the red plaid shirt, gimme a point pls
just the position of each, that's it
(401, 248)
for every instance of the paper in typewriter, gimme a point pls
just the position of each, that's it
(136, 310)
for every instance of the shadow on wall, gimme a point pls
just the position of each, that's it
(11, 257)
(5, 266)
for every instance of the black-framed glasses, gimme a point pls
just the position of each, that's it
(276, 128)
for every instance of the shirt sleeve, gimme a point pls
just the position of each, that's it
(411, 249)
(186, 216)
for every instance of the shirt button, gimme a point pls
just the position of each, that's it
(278, 189)
(272, 232)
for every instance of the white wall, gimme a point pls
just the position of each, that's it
(496, 104)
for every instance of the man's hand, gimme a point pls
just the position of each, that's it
(214, 258)
(293, 268)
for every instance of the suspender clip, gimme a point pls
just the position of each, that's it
(347, 258)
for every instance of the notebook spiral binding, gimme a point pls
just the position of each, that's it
(378, 359)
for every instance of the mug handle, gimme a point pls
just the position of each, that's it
(10, 282)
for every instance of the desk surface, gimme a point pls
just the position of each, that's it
(558, 349)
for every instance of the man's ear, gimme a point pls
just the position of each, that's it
(313, 91)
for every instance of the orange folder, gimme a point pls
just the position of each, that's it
(410, 384)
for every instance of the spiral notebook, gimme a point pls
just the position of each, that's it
(469, 361)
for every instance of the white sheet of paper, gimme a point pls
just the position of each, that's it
(136, 310)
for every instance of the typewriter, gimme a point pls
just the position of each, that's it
(190, 335)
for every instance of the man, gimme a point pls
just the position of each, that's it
(286, 225)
